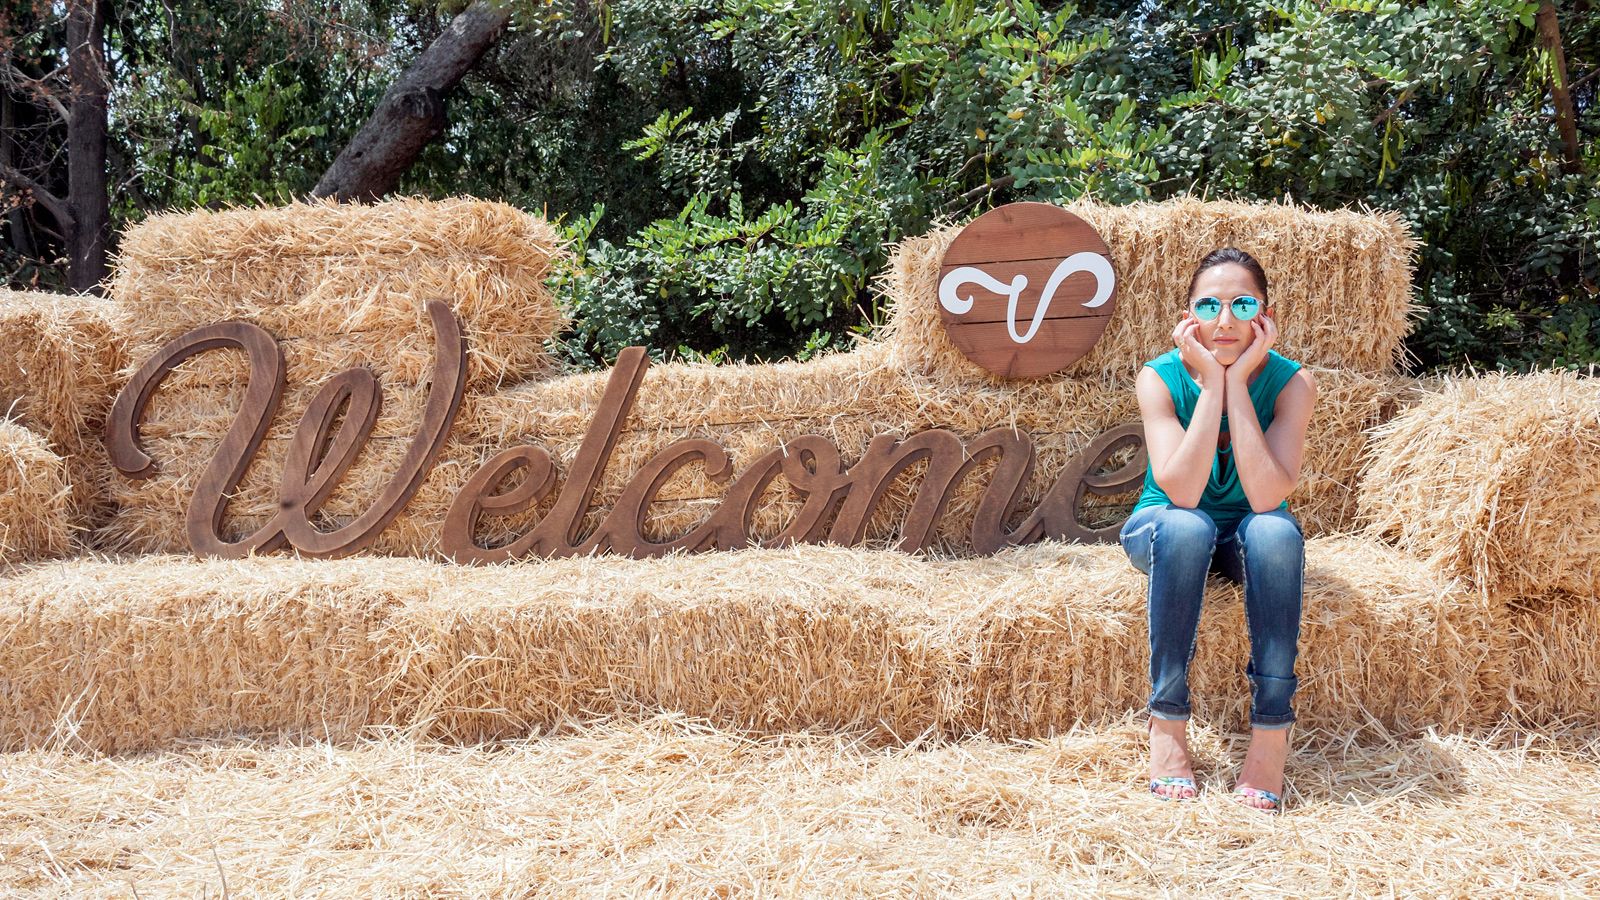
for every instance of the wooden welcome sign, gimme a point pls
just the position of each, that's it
(839, 499)
(1055, 275)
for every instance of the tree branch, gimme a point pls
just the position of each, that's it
(1560, 97)
(1404, 96)
(55, 206)
(981, 191)
(19, 81)
(411, 112)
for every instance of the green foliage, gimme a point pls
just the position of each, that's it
(731, 171)
(739, 278)
(254, 145)
(243, 102)
(1437, 110)
(822, 132)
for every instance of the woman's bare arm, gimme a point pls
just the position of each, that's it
(1269, 464)
(1180, 459)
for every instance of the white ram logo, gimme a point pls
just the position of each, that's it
(1087, 261)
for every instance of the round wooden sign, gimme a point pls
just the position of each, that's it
(1026, 289)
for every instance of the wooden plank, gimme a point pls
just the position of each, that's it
(1059, 343)
(1020, 231)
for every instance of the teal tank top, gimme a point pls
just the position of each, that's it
(1224, 498)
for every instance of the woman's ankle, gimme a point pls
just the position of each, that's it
(1265, 759)
(1169, 745)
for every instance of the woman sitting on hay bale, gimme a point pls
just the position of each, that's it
(1212, 504)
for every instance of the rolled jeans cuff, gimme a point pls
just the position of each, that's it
(1169, 712)
(1271, 723)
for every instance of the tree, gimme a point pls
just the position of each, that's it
(411, 112)
(731, 170)
(879, 114)
(88, 203)
(82, 215)
(1566, 118)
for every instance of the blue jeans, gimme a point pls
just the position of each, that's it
(1176, 546)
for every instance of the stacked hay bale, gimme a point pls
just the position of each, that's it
(344, 287)
(1493, 480)
(916, 378)
(35, 497)
(58, 374)
(1027, 642)
(1340, 284)
(339, 286)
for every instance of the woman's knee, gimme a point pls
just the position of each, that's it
(1185, 528)
(1273, 534)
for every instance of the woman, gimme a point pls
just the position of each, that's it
(1224, 424)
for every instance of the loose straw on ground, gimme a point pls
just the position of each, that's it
(673, 806)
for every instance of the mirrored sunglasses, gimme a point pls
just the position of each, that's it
(1244, 308)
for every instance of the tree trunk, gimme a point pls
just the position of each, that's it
(411, 112)
(16, 218)
(87, 196)
(1560, 96)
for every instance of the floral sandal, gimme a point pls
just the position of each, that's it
(1274, 802)
(1173, 781)
(1250, 793)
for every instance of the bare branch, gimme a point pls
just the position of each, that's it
(981, 191)
(19, 81)
(55, 206)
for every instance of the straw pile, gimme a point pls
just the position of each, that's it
(1340, 282)
(33, 496)
(749, 409)
(128, 654)
(59, 356)
(672, 806)
(1494, 478)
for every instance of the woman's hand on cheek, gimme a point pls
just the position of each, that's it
(1191, 351)
(1263, 335)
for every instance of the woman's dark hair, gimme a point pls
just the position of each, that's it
(1230, 255)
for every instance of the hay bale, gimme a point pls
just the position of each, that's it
(58, 376)
(339, 285)
(301, 281)
(132, 653)
(1552, 662)
(1331, 274)
(1494, 478)
(34, 496)
(348, 282)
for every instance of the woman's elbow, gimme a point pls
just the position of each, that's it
(1183, 496)
(1273, 500)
